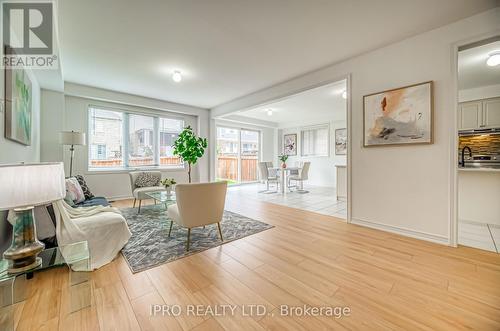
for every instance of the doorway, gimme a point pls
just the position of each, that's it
(304, 154)
(478, 135)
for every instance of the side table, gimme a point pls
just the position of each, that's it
(13, 286)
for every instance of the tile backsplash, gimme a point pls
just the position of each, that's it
(481, 144)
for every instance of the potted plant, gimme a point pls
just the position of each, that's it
(168, 183)
(283, 158)
(189, 147)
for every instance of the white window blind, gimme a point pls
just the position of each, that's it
(315, 141)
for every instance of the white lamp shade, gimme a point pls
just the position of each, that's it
(72, 138)
(24, 185)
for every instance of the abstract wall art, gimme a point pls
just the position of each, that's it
(18, 103)
(400, 116)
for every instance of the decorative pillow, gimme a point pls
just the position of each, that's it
(84, 186)
(68, 200)
(146, 179)
(74, 190)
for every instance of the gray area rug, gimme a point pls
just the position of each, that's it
(150, 245)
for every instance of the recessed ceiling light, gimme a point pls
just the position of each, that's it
(493, 59)
(269, 112)
(344, 95)
(177, 76)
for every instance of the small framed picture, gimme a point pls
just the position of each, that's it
(290, 144)
(341, 141)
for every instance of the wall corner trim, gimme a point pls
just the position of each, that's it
(443, 240)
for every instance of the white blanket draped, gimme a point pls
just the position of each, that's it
(104, 229)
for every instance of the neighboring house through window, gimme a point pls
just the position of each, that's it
(147, 139)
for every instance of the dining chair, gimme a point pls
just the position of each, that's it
(266, 176)
(272, 171)
(301, 177)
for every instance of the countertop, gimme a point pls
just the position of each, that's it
(479, 169)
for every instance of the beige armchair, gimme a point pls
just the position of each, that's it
(139, 193)
(198, 204)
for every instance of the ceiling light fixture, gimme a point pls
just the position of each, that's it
(344, 95)
(177, 76)
(269, 112)
(493, 59)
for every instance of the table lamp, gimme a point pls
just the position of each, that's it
(72, 138)
(24, 186)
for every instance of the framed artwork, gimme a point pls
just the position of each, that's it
(340, 141)
(18, 103)
(290, 144)
(400, 116)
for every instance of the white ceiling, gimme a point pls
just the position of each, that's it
(322, 103)
(230, 48)
(472, 69)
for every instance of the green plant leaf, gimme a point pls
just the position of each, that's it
(189, 147)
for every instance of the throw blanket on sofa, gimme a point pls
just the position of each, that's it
(104, 228)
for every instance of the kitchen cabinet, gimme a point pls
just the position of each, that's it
(479, 114)
(341, 182)
(478, 196)
(491, 113)
(471, 115)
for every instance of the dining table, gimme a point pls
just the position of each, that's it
(283, 174)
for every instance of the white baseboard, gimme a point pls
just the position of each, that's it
(402, 231)
(118, 198)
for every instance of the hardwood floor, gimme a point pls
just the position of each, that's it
(387, 281)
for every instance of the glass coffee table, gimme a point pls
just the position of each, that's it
(163, 197)
(13, 286)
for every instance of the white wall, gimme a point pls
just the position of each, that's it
(70, 113)
(52, 105)
(402, 189)
(11, 151)
(483, 92)
(322, 171)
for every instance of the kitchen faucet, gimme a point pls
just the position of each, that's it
(463, 152)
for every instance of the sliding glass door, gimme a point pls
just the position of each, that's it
(249, 155)
(228, 153)
(237, 155)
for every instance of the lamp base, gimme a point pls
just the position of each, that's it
(15, 269)
(22, 253)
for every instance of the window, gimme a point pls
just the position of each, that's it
(101, 152)
(140, 140)
(105, 138)
(315, 141)
(146, 140)
(169, 131)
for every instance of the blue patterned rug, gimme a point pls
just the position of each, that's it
(150, 245)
